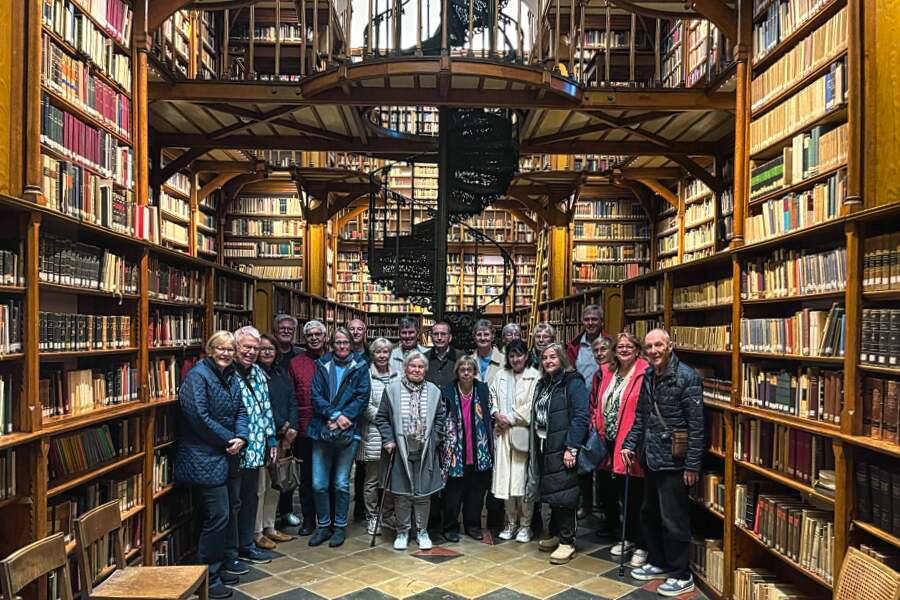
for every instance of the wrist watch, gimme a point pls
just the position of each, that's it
(574, 451)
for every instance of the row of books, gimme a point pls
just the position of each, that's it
(807, 332)
(11, 272)
(176, 507)
(88, 448)
(7, 418)
(808, 393)
(169, 330)
(699, 238)
(235, 293)
(805, 535)
(173, 206)
(645, 298)
(73, 80)
(165, 376)
(629, 251)
(10, 327)
(668, 243)
(877, 491)
(594, 273)
(788, 273)
(229, 321)
(881, 409)
(175, 284)
(242, 226)
(762, 584)
(717, 390)
(881, 262)
(61, 515)
(114, 16)
(75, 392)
(87, 146)
(173, 232)
(8, 479)
(608, 209)
(206, 244)
(64, 262)
(799, 210)
(714, 338)
(708, 293)
(600, 231)
(809, 154)
(694, 190)
(710, 491)
(698, 212)
(782, 18)
(708, 560)
(68, 332)
(288, 206)
(880, 339)
(163, 471)
(800, 455)
(291, 249)
(178, 182)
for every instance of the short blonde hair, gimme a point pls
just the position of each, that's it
(381, 344)
(217, 339)
(465, 359)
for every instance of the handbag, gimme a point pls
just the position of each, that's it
(519, 438)
(678, 437)
(337, 436)
(285, 473)
(592, 453)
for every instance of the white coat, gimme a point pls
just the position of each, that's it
(513, 399)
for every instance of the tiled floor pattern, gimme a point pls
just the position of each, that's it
(469, 569)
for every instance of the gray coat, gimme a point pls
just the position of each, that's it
(429, 478)
(370, 446)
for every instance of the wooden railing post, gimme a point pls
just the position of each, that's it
(470, 29)
(32, 188)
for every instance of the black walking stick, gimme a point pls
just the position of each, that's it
(624, 520)
(384, 492)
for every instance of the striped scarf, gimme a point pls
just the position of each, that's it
(414, 409)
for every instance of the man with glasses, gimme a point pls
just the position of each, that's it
(441, 357)
(302, 368)
(285, 328)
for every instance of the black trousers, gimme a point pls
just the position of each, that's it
(586, 496)
(666, 520)
(563, 524)
(608, 495)
(303, 451)
(466, 492)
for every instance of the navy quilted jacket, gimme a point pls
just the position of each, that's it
(352, 396)
(211, 414)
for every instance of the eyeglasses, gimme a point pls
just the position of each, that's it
(625, 348)
(288, 328)
(340, 343)
(267, 350)
(249, 349)
(224, 350)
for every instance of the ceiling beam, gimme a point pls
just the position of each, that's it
(157, 178)
(720, 15)
(239, 111)
(214, 184)
(661, 190)
(699, 172)
(663, 100)
(287, 142)
(625, 148)
(223, 166)
(652, 172)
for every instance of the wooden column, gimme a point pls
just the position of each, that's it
(560, 255)
(855, 122)
(195, 209)
(29, 415)
(851, 416)
(742, 121)
(140, 48)
(32, 133)
(316, 243)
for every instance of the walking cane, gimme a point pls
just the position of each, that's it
(624, 520)
(384, 492)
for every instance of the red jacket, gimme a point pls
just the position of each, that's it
(302, 368)
(573, 345)
(627, 407)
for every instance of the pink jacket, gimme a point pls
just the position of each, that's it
(627, 407)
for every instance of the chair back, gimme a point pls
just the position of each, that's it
(94, 531)
(43, 557)
(864, 577)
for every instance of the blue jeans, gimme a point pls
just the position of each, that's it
(211, 545)
(243, 490)
(331, 466)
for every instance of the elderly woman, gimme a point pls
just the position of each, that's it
(616, 388)
(284, 415)
(512, 392)
(380, 376)
(543, 335)
(510, 332)
(340, 394)
(468, 450)
(410, 420)
(212, 431)
(244, 482)
(601, 349)
(559, 426)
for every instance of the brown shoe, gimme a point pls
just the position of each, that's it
(265, 543)
(563, 554)
(277, 536)
(548, 544)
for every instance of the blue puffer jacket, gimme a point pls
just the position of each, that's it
(350, 398)
(211, 414)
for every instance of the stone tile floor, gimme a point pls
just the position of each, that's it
(489, 570)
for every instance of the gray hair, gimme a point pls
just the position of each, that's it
(592, 308)
(413, 355)
(544, 326)
(340, 330)
(283, 317)
(511, 327)
(560, 353)
(217, 339)
(313, 324)
(246, 331)
(407, 322)
(381, 344)
(483, 324)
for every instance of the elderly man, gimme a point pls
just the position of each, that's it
(579, 348)
(302, 369)
(409, 340)
(488, 357)
(357, 329)
(441, 357)
(285, 328)
(668, 434)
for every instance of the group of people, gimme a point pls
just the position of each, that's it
(436, 436)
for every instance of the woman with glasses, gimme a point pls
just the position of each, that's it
(601, 349)
(614, 397)
(340, 394)
(212, 431)
(284, 414)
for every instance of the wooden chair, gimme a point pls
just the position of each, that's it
(32, 562)
(94, 529)
(864, 577)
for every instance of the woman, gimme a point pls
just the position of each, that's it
(559, 424)
(410, 421)
(284, 415)
(244, 482)
(616, 388)
(512, 392)
(601, 348)
(468, 450)
(212, 431)
(380, 376)
(340, 393)
(543, 335)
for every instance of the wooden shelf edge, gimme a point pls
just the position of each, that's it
(784, 480)
(884, 536)
(795, 422)
(62, 424)
(65, 486)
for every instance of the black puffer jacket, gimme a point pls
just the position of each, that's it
(281, 397)
(679, 394)
(548, 479)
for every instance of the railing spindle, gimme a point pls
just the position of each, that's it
(520, 52)
(471, 32)
(302, 38)
(658, 69)
(444, 16)
(632, 47)
(371, 33)
(329, 36)
(572, 39)
(608, 41)
(418, 27)
(226, 67)
(554, 47)
(315, 44)
(581, 37)
(539, 29)
(250, 49)
(277, 39)
(396, 40)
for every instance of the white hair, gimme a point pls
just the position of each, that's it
(509, 328)
(411, 356)
(313, 324)
(246, 331)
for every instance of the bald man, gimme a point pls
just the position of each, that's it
(671, 401)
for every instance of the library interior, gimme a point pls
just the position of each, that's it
(619, 278)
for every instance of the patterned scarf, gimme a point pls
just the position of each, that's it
(415, 409)
(255, 396)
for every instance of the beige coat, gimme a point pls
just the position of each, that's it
(509, 464)
(498, 361)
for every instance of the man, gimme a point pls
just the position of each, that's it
(490, 360)
(302, 369)
(579, 348)
(409, 340)
(510, 332)
(671, 401)
(357, 329)
(441, 357)
(285, 327)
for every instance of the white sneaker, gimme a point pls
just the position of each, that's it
(648, 573)
(508, 533)
(401, 541)
(618, 550)
(676, 587)
(423, 540)
(524, 536)
(638, 559)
